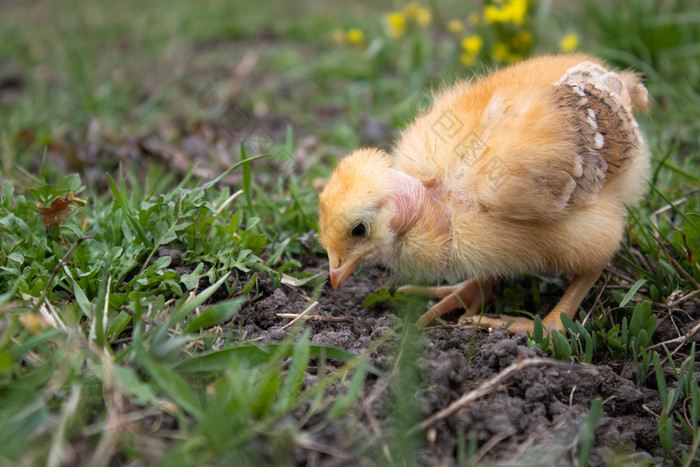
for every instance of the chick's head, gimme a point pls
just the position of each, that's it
(356, 212)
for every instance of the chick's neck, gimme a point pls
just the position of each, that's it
(421, 223)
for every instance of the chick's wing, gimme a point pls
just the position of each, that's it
(556, 147)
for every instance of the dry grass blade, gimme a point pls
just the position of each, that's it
(308, 310)
(325, 319)
(61, 452)
(115, 424)
(58, 267)
(228, 201)
(684, 298)
(681, 339)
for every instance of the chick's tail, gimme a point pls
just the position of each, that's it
(604, 102)
(636, 89)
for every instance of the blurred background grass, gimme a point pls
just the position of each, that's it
(73, 69)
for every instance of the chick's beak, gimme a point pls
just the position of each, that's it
(341, 269)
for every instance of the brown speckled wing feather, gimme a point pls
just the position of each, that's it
(561, 154)
(606, 133)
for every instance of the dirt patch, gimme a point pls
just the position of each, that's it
(534, 417)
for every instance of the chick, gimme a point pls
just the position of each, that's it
(527, 170)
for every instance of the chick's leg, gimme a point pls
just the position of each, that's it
(569, 303)
(470, 294)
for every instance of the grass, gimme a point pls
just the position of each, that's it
(114, 341)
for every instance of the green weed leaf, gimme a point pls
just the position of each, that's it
(216, 314)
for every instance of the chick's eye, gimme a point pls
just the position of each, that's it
(360, 230)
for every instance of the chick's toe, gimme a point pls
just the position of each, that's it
(470, 295)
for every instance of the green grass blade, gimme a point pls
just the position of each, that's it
(245, 168)
(629, 295)
(675, 208)
(257, 354)
(80, 297)
(585, 434)
(295, 373)
(231, 169)
(128, 213)
(343, 404)
(172, 384)
(219, 313)
(185, 308)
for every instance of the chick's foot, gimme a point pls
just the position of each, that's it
(470, 295)
(569, 303)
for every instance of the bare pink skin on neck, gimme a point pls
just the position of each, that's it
(413, 202)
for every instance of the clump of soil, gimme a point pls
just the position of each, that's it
(533, 417)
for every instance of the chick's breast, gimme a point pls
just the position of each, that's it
(534, 164)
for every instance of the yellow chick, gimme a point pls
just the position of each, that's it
(527, 170)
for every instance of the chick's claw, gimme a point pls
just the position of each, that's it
(513, 324)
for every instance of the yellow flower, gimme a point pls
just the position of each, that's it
(355, 36)
(467, 59)
(569, 42)
(500, 51)
(492, 14)
(416, 12)
(424, 16)
(455, 26)
(473, 44)
(395, 24)
(514, 12)
(411, 10)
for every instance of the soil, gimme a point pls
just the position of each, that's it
(534, 417)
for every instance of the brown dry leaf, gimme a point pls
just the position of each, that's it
(59, 209)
